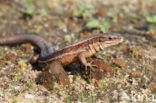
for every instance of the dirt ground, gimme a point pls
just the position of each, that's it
(63, 22)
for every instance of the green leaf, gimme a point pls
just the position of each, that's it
(151, 19)
(132, 15)
(43, 12)
(93, 24)
(31, 11)
(84, 7)
(105, 27)
(87, 15)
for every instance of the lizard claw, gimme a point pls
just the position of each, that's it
(90, 65)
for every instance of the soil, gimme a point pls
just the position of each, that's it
(63, 22)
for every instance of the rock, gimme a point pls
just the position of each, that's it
(29, 96)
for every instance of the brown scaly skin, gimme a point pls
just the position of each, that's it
(81, 50)
(44, 48)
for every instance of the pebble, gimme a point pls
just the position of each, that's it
(29, 96)
(120, 62)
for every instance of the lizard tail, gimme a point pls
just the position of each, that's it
(44, 47)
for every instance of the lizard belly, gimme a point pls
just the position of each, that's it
(67, 59)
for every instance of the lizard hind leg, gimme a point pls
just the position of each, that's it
(57, 70)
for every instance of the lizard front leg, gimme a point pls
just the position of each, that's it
(82, 58)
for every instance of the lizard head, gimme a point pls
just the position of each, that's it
(107, 40)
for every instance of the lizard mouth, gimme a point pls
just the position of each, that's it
(114, 41)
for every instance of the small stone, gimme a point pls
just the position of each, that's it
(98, 84)
(124, 96)
(120, 62)
(68, 38)
(120, 16)
(152, 87)
(135, 74)
(19, 99)
(90, 87)
(29, 96)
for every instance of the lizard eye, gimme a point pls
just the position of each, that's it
(109, 38)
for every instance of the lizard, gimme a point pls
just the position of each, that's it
(59, 58)
(78, 51)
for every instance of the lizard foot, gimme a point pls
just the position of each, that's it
(90, 65)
